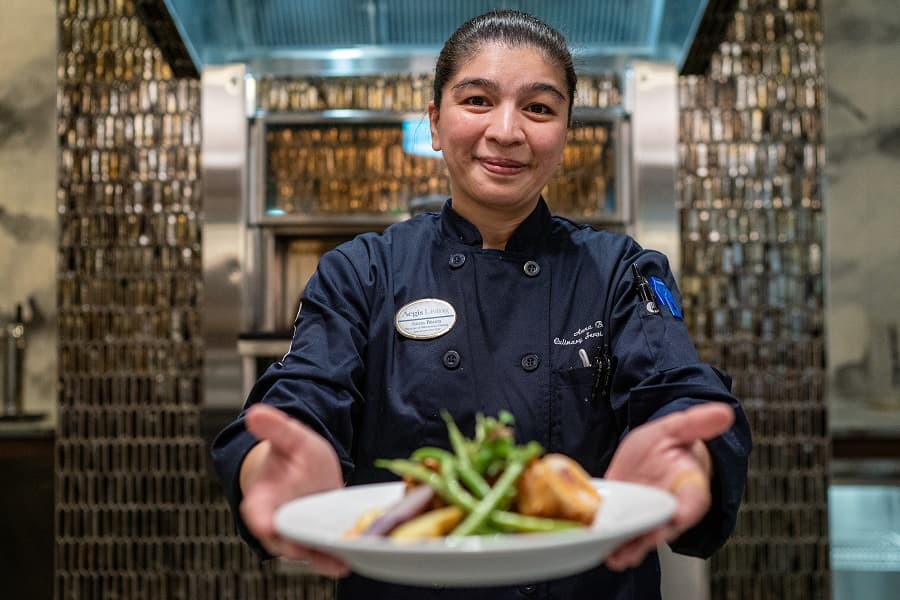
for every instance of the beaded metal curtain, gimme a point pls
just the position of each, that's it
(138, 515)
(752, 159)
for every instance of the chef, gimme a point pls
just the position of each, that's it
(494, 304)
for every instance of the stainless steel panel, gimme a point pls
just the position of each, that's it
(224, 155)
(651, 97)
(251, 350)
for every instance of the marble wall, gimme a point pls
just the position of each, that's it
(28, 225)
(862, 53)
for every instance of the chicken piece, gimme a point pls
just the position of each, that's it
(556, 486)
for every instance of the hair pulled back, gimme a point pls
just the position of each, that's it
(509, 27)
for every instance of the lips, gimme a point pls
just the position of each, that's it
(502, 166)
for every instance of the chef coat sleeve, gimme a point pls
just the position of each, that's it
(318, 381)
(658, 372)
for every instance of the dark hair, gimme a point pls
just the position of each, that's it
(510, 27)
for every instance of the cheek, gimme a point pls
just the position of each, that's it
(552, 148)
(458, 138)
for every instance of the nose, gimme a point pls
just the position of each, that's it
(505, 127)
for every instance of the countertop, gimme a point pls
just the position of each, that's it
(864, 418)
(29, 426)
(864, 429)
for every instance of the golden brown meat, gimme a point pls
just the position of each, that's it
(556, 486)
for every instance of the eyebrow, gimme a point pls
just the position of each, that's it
(489, 84)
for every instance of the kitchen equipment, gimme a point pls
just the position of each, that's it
(13, 365)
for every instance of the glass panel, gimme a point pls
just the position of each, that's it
(339, 169)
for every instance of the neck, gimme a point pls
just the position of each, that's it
(495, 224)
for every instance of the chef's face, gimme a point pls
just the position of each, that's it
(502, 127)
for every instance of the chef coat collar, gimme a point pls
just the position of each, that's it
(528, 234)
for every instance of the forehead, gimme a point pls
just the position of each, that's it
(512, 62)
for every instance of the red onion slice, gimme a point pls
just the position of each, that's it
(410, 505)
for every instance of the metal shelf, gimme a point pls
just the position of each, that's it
(345, 223)
(580, 115)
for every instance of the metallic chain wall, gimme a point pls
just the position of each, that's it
(137, 514)
(752, 159)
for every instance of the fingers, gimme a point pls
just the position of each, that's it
(632, 553)
(256, 511)
(691, 490)
(700, 422)
(311, 560)
(286, 435)
(693, 502)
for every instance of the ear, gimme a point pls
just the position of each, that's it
(433, 116)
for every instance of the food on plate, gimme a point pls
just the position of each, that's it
(557, 486)
(486, 485)
(431, 524)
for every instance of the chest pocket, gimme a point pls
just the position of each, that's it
(583, 423)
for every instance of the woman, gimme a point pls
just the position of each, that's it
(516, 294)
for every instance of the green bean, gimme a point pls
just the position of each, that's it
(467, 473)
(444, 486)
(457, 441)
(510, 521)
(487, 504)
(418, 472)
(527, 452)
(424, 452)
(474, 481)
(479, 430)
(455, 492)
(492, 452)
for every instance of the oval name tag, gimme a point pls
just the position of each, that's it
(425, 319)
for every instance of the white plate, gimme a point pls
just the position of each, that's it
(319, 521)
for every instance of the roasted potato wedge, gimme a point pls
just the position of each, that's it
(363, 522)
(435, 523)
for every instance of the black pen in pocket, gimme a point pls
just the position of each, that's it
(602, 374)
(645, 293)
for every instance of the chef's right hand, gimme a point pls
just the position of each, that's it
(290, 461)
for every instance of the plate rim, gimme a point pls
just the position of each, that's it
(474, 545)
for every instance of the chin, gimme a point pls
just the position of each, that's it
(507, 200)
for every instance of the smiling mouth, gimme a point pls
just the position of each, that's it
(502, 166)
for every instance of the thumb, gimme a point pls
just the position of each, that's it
(286, 435)
(700, 422)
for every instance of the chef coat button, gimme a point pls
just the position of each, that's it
(457, 260)
(531, 268)
(451, 359)
(528, 590)
(530, 362)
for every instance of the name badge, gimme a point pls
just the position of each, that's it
(425, 319)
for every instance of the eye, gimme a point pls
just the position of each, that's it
(476, 101)
(539, 109)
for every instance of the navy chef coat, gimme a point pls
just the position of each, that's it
(522, 315)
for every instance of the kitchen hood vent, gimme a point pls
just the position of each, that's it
(355, 37)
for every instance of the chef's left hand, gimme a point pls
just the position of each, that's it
(669, 453)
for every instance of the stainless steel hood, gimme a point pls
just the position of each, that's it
(357, 37)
